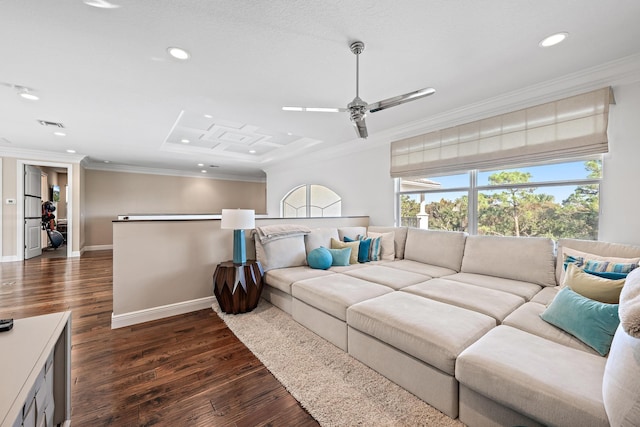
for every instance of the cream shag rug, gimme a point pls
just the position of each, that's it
(335, 388)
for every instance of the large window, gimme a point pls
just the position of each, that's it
(311, 201)
(551, 200)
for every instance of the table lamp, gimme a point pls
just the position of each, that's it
(238, 220)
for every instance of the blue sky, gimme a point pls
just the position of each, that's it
(556, 172)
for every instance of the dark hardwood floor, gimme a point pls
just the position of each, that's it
(188, 370)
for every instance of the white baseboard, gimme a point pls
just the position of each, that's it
(155, 313)
(9, 258)
(98, 248)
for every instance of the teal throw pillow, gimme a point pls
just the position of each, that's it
(365, 248)
(340, 257)
(607, 274)
(592, 322)
(320, 258)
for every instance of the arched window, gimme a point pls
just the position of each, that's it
(311, 200)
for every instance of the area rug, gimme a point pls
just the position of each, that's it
(335, 388)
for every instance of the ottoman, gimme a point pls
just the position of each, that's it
(414, 341)
(320, 304)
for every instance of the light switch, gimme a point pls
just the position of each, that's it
(11, 201)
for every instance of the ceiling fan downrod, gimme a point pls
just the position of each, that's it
(357, 48)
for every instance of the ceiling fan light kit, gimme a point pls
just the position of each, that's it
(358, 108)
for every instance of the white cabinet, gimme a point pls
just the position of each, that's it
(35, 367)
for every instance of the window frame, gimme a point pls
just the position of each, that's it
(473, 189)
(308, 202)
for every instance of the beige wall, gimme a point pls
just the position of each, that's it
(107, 194)
(163, 268)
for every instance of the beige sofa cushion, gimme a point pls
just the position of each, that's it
(421, 268)
(335, 293)
(549, 382)
(282, 278)
(529, 259)
(429, 330)
(487, 301)
(524, 289)
(527, 318)
(546, 295)
(441, 248)
(391, 277)
(399, 237)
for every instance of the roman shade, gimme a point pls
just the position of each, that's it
(567, 128)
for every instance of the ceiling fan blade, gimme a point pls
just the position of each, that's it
(361, 128)
(401, 99)
(315, 109)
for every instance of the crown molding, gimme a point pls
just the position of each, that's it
(111, 167)
(39, 155)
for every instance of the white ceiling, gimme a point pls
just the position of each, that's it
(106, 75)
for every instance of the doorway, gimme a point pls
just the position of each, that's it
(21, 243)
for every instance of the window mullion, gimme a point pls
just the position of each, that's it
(473, 202)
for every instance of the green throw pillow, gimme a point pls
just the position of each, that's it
(355, 248)
(592, 322)
(340, 257)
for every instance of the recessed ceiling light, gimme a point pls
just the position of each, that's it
(102, 4)
(107, 161)
(208, 116)
(27, 94)
(71, 151)
(252, 151)
(200, 165)
(60, 134)
(553, 39)
(203, 171)
(185, 141)
(178, 53)
(289, 133)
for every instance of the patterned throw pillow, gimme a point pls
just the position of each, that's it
(609, 267)
(602, 268)
(376, 248)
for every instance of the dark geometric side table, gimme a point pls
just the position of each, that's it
(237, 287)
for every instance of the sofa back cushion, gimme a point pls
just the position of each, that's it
(320, 237)
(590, 249)
(399, 237)
(529, 259)
(281, 253)
(441, 248)
(621, 382)
(351, 232)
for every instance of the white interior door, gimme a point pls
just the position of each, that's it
(32, 211)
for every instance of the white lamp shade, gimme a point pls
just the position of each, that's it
(238, 219)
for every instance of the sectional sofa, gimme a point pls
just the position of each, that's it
(455, 319)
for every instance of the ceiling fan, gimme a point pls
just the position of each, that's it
(357, 108)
